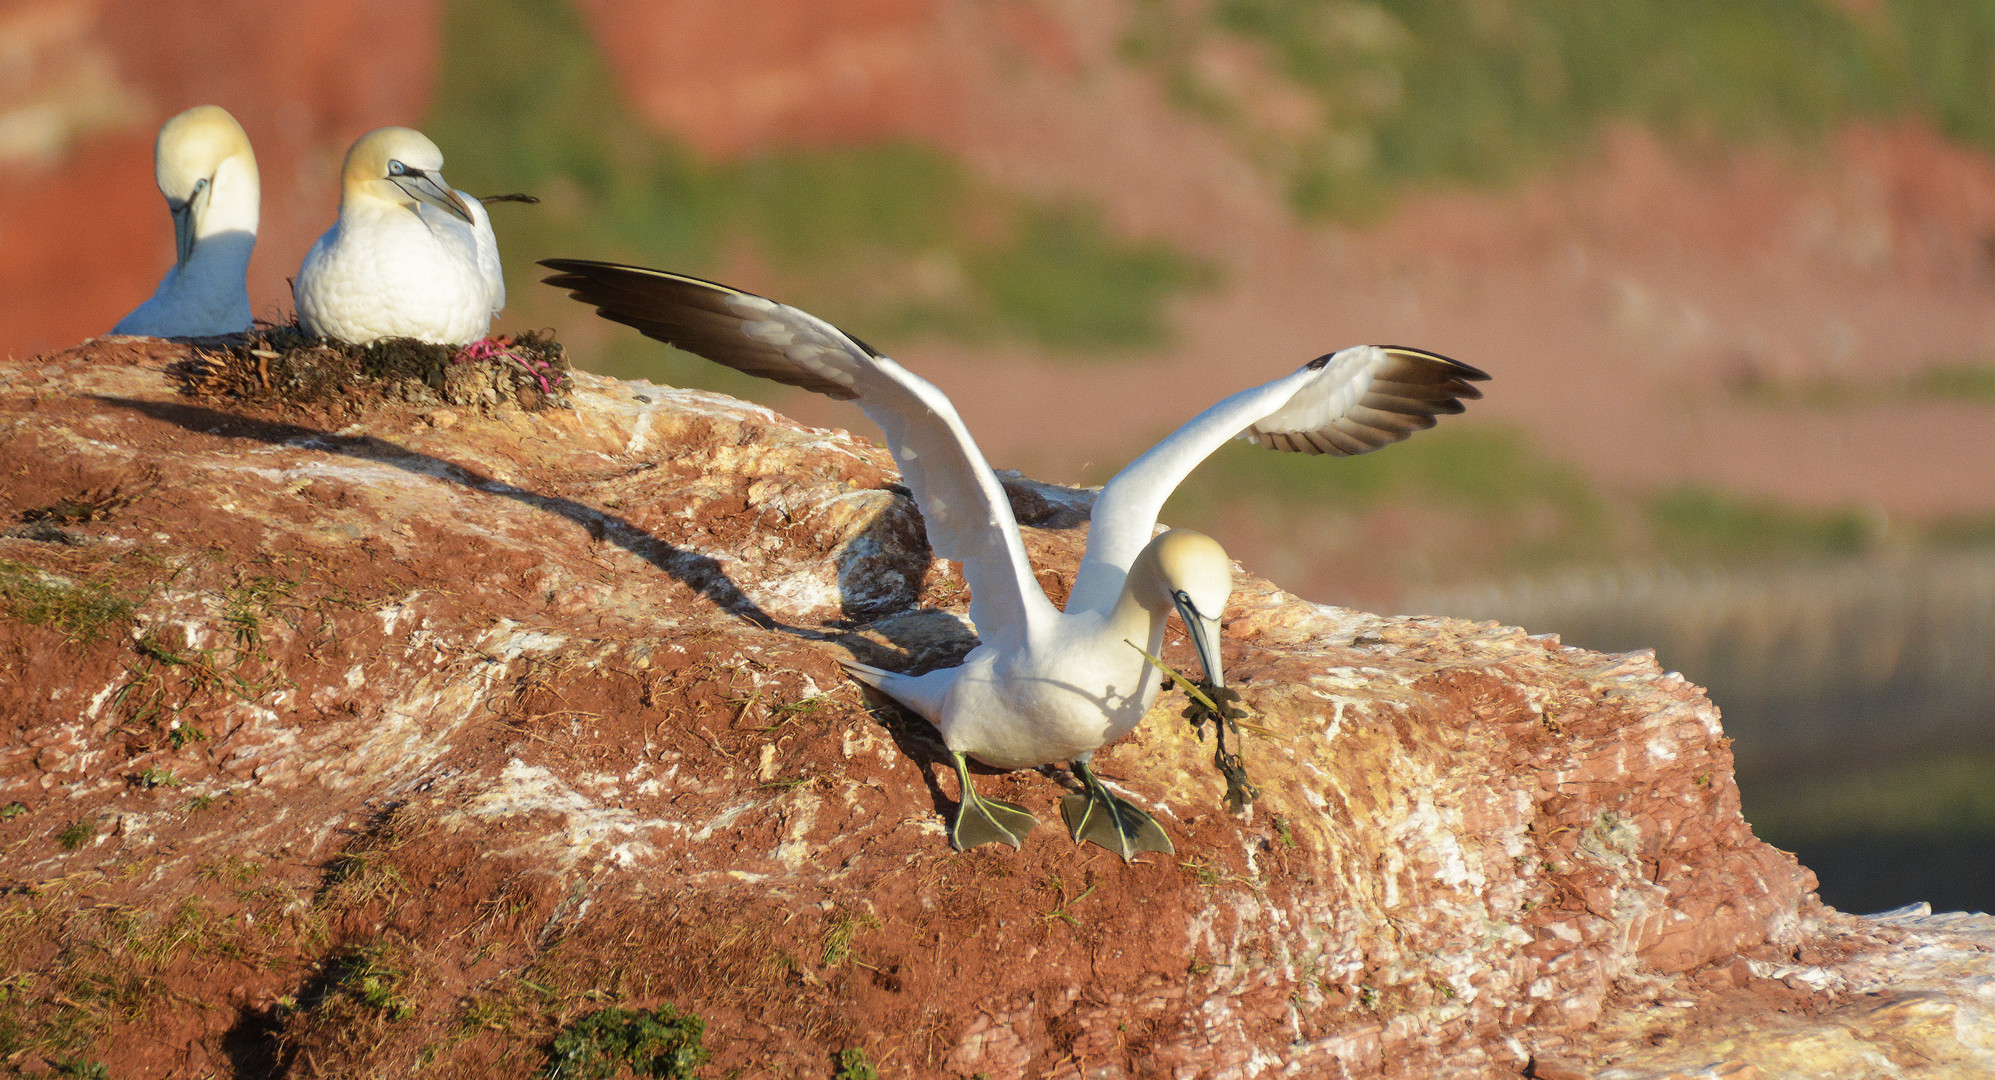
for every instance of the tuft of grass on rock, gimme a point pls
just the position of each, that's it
(155, 777)
(369, 980)
(602, 1044)
(838, 935)
(83, 610)
(853, 1064)
(76, 834)
(77, 972)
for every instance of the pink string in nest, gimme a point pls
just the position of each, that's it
(481, 349)
(496, 348)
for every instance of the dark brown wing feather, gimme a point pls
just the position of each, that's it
(688, 313)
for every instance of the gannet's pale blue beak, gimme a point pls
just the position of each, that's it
(183, 232)
(426, 186)
(187, 220)
(1204, 636)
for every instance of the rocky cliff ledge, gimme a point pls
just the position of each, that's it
(410, 736)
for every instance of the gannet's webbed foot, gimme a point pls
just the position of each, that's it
(985, 821)
(1239, 790)
(1099, 815)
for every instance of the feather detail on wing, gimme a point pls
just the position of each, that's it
(700, 317)
(962, 504)
(1367, 397)
(1347, 402)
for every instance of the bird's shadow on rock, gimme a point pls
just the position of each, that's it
(920, 743)
(926, 639)
(700, 573)
(916, 739)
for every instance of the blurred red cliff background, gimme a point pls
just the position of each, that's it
(1743, 347)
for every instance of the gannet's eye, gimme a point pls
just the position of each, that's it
(200, 185)
(396, 168)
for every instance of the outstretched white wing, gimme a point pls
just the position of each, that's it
(966, 512)
(1347, 402)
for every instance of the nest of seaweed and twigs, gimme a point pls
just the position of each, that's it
(285, 367)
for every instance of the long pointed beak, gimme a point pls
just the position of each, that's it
(429, 187)
(1204, 637)
(183, 233)
(187, 220)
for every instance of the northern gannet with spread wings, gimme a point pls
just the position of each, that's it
(409, 256)
(1043, 685)
(206, 170)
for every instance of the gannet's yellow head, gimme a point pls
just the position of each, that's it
(193, 150)
(1195, 576)
(399, 165)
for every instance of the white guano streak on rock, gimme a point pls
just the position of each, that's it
(587, 827)
(794, 853)
(797, 594)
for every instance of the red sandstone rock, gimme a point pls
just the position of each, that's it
(527, 714)
(736, 77)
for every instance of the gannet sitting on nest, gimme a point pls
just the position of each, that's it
(409, 257)
(1043, 685)
(206, 170)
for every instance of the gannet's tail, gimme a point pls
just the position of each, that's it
(924, 694)
(877, 678)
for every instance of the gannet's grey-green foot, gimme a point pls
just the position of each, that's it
(985, 821)
(1099, 815)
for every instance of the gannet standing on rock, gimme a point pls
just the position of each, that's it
(409, 257)
(1042, 685)
(206, 170)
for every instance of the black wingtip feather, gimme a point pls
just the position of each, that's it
(1458, 369)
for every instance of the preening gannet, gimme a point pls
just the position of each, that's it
(1043, 685)
(409, 256)
(207, 172)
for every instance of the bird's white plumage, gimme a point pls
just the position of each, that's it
(409, 257)
(1042, 685)
(207, 173)
(961, 502)
(484, 246)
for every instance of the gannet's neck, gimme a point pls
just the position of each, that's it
(360, 202)
(1144, 603)
(234, 200)
(1179, 570)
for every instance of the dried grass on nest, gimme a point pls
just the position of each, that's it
(284, 366)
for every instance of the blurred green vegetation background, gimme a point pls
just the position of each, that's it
(1485, 91)
(898, 240)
